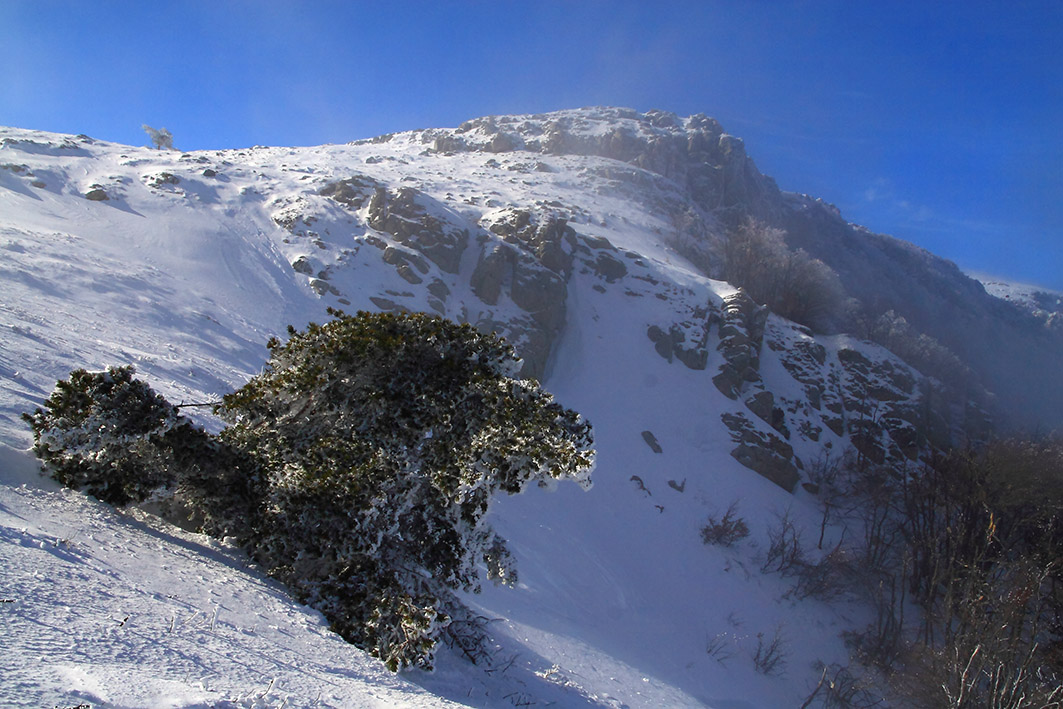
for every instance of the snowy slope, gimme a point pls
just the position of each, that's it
(193, 260)
(1041, 302)
(108, 609)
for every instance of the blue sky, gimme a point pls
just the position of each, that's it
(937, 122)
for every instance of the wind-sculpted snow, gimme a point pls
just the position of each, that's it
(586, 238)
(101, 608)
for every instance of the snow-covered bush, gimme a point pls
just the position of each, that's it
(160, 137)
(111, 435)
(380, 440)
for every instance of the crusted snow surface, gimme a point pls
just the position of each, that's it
(111, 609)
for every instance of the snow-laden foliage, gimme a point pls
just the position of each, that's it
(381, 439)
(357, 469)
(114, 437)
(110, 435)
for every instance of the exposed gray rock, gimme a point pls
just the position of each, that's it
(405, 263)
(535, 346)
(439, 289)
(407, 274)
(502, 143)
(664, 342)
(540, 292)
(670, 344)
(547, 237)
(161, 179)
(608, 267)
(97, 194)
(651, 441)
(352, 192)
(762, 404)
(537, 290)
(886, 416)
(491, 270)
(763, 452)
(694, 358)
(598, 243)
(403, 214)
(321, 286)
(291, 215)
(686, 340)
(713, 166)
(527, 337)
(741, 337)
(386, 304)
(303, 265)
(804, 360)
(450, 144)
(601, 259)
(640, 484)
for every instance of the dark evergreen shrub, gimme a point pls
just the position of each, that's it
(110, 435)
(379, 440)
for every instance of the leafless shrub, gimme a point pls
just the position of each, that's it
(784, 554)
(468, 634)
(839, 688)
(720, 647)
(892, 331)
(989, 654)
(770, 657)
(827, 481)
(826, 579)
(791, 283)
(875, 490)
(727, 530)
(883, 642)
(160, 137)
(979, 535)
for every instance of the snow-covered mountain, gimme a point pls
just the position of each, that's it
(589, 238)
(1043, 303)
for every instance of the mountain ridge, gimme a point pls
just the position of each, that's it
(880, 273)
(599, 271)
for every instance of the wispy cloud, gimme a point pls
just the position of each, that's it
(882, 195)
(882, 206)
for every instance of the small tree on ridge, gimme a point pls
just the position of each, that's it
(160, 138)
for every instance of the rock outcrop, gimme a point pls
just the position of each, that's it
(763, 452)
(722, 188)
(530, 262)
(741, 337)
(402, 215)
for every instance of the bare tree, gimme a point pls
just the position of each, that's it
(160, 138)
(791, 283)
